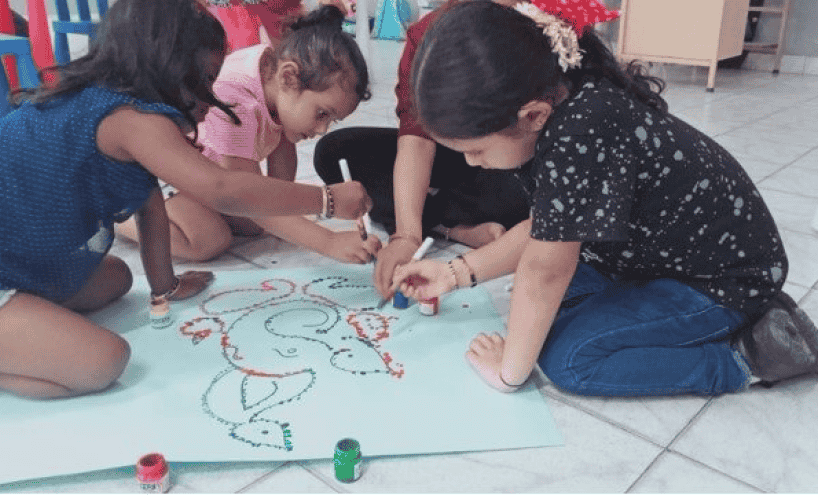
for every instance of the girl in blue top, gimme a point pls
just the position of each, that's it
(79, 156)
(647, 245)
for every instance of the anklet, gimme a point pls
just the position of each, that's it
(167, 295)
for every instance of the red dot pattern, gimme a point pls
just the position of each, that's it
(580, 13)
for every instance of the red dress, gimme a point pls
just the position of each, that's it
(242, 18)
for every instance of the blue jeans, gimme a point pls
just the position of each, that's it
(640, 338)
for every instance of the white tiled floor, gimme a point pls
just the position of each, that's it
(758, 441)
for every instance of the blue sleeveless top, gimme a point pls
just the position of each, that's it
(59, 196)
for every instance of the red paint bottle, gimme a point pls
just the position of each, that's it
(153, 474)
(428, 307)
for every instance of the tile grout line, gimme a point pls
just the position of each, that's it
(320, 478)
(711, 468)
(643, 473)
(687, 427)
(689, 423)
(666, 449)
(600, 417)
(262, 477)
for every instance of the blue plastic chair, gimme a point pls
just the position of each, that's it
(65, 25)
(20, 48)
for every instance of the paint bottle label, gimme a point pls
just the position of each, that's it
(160, 314)
(429, 307)
(347, 460)
(158, 486)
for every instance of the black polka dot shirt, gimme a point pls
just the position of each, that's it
(651, 197)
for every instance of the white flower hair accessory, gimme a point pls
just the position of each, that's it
(564, 41)
(564, 22)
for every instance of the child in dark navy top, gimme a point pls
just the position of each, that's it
(647, 244)
(80, 155)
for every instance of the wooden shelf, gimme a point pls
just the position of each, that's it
(761, 47)
(769, 10)
(772, 48)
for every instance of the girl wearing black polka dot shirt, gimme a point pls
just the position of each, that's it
(647, 245)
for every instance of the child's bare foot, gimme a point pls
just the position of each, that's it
(243, 227)
(476, 235)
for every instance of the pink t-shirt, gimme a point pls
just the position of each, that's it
(239, 83)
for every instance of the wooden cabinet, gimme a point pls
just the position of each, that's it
(687, 32)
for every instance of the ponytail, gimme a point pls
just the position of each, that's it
(317, 43)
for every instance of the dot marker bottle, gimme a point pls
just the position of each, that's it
(429, 307)
(347, 460)
(153, 474)
(161, 316)
(400, 301)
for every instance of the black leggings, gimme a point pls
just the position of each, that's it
(466, 195)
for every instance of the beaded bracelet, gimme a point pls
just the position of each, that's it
(171, 292)
(454, 274)
(471, 272)
(328, 210)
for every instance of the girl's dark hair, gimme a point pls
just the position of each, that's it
(480, 62)
(149, 49)
(322, 49)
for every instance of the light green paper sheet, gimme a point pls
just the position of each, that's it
(266, 360)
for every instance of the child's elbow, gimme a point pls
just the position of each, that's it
(221, 196)
(551, 268)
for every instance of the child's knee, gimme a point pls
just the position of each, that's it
(105, 363)
(120, 272)
(213, 246)
(206, 246)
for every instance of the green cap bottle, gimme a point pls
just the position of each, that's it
(347, 460)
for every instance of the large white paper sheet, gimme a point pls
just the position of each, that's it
(280, 365)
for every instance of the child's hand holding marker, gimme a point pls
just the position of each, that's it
(346, 246)
(364, 223)
(421, 279)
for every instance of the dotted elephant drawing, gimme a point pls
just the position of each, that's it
(278, 339)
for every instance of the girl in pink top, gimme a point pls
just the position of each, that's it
(315, 77)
